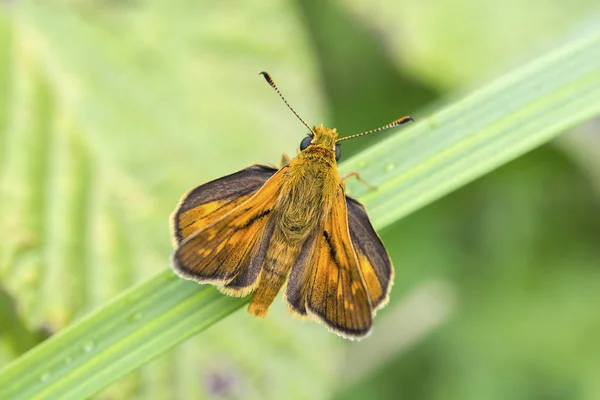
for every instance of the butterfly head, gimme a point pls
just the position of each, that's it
(324, 138)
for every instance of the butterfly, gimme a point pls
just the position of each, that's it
(262, 228)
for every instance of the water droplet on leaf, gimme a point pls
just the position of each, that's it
(89, 347)
(136, 317)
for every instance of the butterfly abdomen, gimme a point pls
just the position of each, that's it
(276, 267)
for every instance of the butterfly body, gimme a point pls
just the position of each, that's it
(301, 207)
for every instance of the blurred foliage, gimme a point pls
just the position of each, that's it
(110, 110)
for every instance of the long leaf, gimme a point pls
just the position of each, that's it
(440, 153)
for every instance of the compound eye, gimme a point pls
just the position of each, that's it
(305, 142)
(338, 152)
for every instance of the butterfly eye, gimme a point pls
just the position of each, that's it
(338, 152)
(305, 142)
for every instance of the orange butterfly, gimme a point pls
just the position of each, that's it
(256, 229)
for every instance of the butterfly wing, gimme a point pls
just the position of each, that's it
(375, 263)
(229, 252)
(329, 286)
(207, 203)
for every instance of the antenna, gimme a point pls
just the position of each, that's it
(271, 82)
(397, 122)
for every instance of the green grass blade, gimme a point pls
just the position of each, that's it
(473, 136)
(441, 152)
(132, 329)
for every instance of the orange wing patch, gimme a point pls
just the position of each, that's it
(201, 216)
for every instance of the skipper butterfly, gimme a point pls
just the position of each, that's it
(262, 228)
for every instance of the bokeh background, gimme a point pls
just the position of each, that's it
(110, 110)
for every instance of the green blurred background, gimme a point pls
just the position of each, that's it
(110, 110)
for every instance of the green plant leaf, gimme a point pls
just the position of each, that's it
(438, 154)
(133, 327)
(494, 125)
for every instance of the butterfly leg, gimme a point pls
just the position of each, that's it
(358, 178)
(285, 160)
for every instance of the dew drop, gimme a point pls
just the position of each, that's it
(89, 347)
(389, 167)
(45, 377)
(136, 317)
(133, 298)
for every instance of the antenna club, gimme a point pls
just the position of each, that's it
(404, 120)
(268, 78)
(397, 122)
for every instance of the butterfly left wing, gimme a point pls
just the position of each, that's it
(327, 283)
(229, 252)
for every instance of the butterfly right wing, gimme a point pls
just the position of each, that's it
(229, 252)
(326, 283)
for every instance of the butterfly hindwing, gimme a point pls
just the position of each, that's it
(207, 203)
(222, 251)
(375, 263)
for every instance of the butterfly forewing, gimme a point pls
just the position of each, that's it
(334, 289)
(221, 251)
(207, 203)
